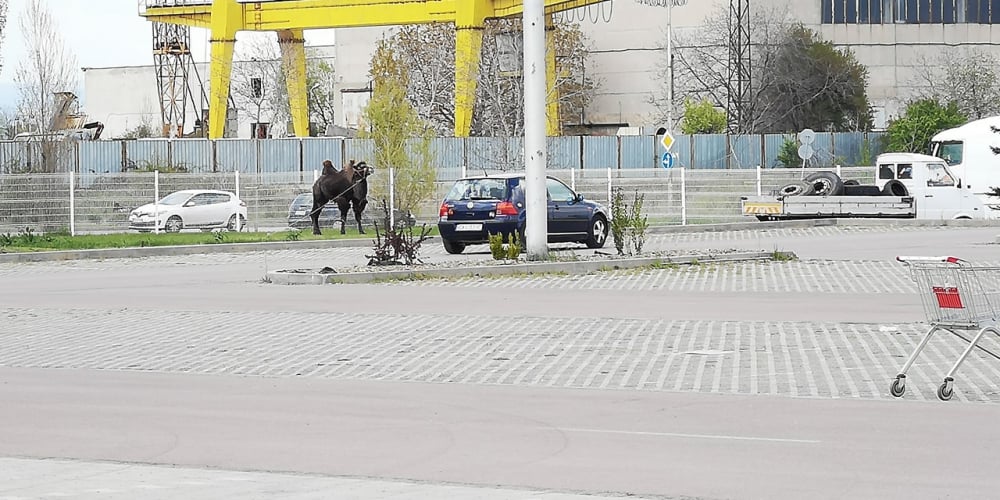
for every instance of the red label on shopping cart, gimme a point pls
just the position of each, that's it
(948, 297)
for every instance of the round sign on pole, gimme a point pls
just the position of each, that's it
(807, 136)
(667, 160)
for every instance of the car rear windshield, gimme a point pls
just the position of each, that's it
(478, 189)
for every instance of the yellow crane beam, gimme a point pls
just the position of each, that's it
(290, 17)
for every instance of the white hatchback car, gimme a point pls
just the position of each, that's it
(203, 209)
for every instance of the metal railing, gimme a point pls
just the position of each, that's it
(100, 203)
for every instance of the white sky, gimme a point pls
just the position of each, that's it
(102, 33)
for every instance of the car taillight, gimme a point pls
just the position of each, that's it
(506, 208)
(444, 211)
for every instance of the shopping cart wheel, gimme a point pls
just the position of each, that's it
(945, 391)
(898, 386)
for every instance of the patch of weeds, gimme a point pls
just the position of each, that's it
(638, 223)
(496, 247)
(218, 237)
(27, 236)
(628, 224)
(779, 256)
(398, 245)
(293, 235)
(514, 247)
(501, 250)
(6, 240)
(619, 220)
(658, 265)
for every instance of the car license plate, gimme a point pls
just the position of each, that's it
(300, 212)
(468, 227)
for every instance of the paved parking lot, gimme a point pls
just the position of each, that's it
(835, 325)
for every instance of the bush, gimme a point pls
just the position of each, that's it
(628, 224)
(788, 155)
(702, 118)
(912, 132)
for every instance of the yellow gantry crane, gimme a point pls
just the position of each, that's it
(289, 18)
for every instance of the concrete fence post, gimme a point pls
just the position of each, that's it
(156, 202)
(236, 224)
(72, 206)
(683, 197)
(609, 187)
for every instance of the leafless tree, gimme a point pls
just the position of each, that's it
(429, 53)
(791, 86)
(3, 24)
(48, 67)
(320, 77)
(258, 83)
(967, 78)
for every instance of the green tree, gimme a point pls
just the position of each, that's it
(702, 118)
(820, 86)
(402, 140)
(912, 132)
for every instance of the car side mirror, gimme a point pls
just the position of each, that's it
(579, 197)
(189, 204)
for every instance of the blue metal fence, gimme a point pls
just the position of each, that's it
(455, 154)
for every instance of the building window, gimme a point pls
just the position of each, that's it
(910, 11)
(257, 88)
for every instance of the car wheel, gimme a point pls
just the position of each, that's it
(453, 247)
(173, 225)
(598, 232)
(231, 225)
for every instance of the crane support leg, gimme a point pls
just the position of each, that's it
(468, 43)
(227, 18)
(293, 56)
(552, 127)
(221, 71)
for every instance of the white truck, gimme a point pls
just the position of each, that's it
(909, 186)
(972, 152)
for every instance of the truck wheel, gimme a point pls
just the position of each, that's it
(797, 189)
(852, 182)
(826, 183)
(895, 188)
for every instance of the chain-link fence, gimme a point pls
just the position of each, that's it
(100, 203)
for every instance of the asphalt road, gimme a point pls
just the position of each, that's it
(729, 381)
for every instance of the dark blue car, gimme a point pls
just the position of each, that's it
(477, 207)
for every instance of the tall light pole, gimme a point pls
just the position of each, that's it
(536, 215)
(670, 4)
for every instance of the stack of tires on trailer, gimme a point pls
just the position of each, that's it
(826, 183)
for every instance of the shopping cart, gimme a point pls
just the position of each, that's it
(956, 296)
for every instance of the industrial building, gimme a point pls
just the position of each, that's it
(893, 38)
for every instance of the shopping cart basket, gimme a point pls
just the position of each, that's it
(956, 296)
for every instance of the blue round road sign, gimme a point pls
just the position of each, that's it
(667, 160)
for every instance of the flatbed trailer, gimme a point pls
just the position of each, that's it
(818, 207)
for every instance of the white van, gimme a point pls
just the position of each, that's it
(969, 152)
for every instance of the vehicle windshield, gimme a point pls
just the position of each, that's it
(174, 198)
(478, 189)
(950, 152)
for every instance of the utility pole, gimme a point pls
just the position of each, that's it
(739, 66)
(536, 205)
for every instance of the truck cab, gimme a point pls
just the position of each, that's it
(972, 152)
(937, 191)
